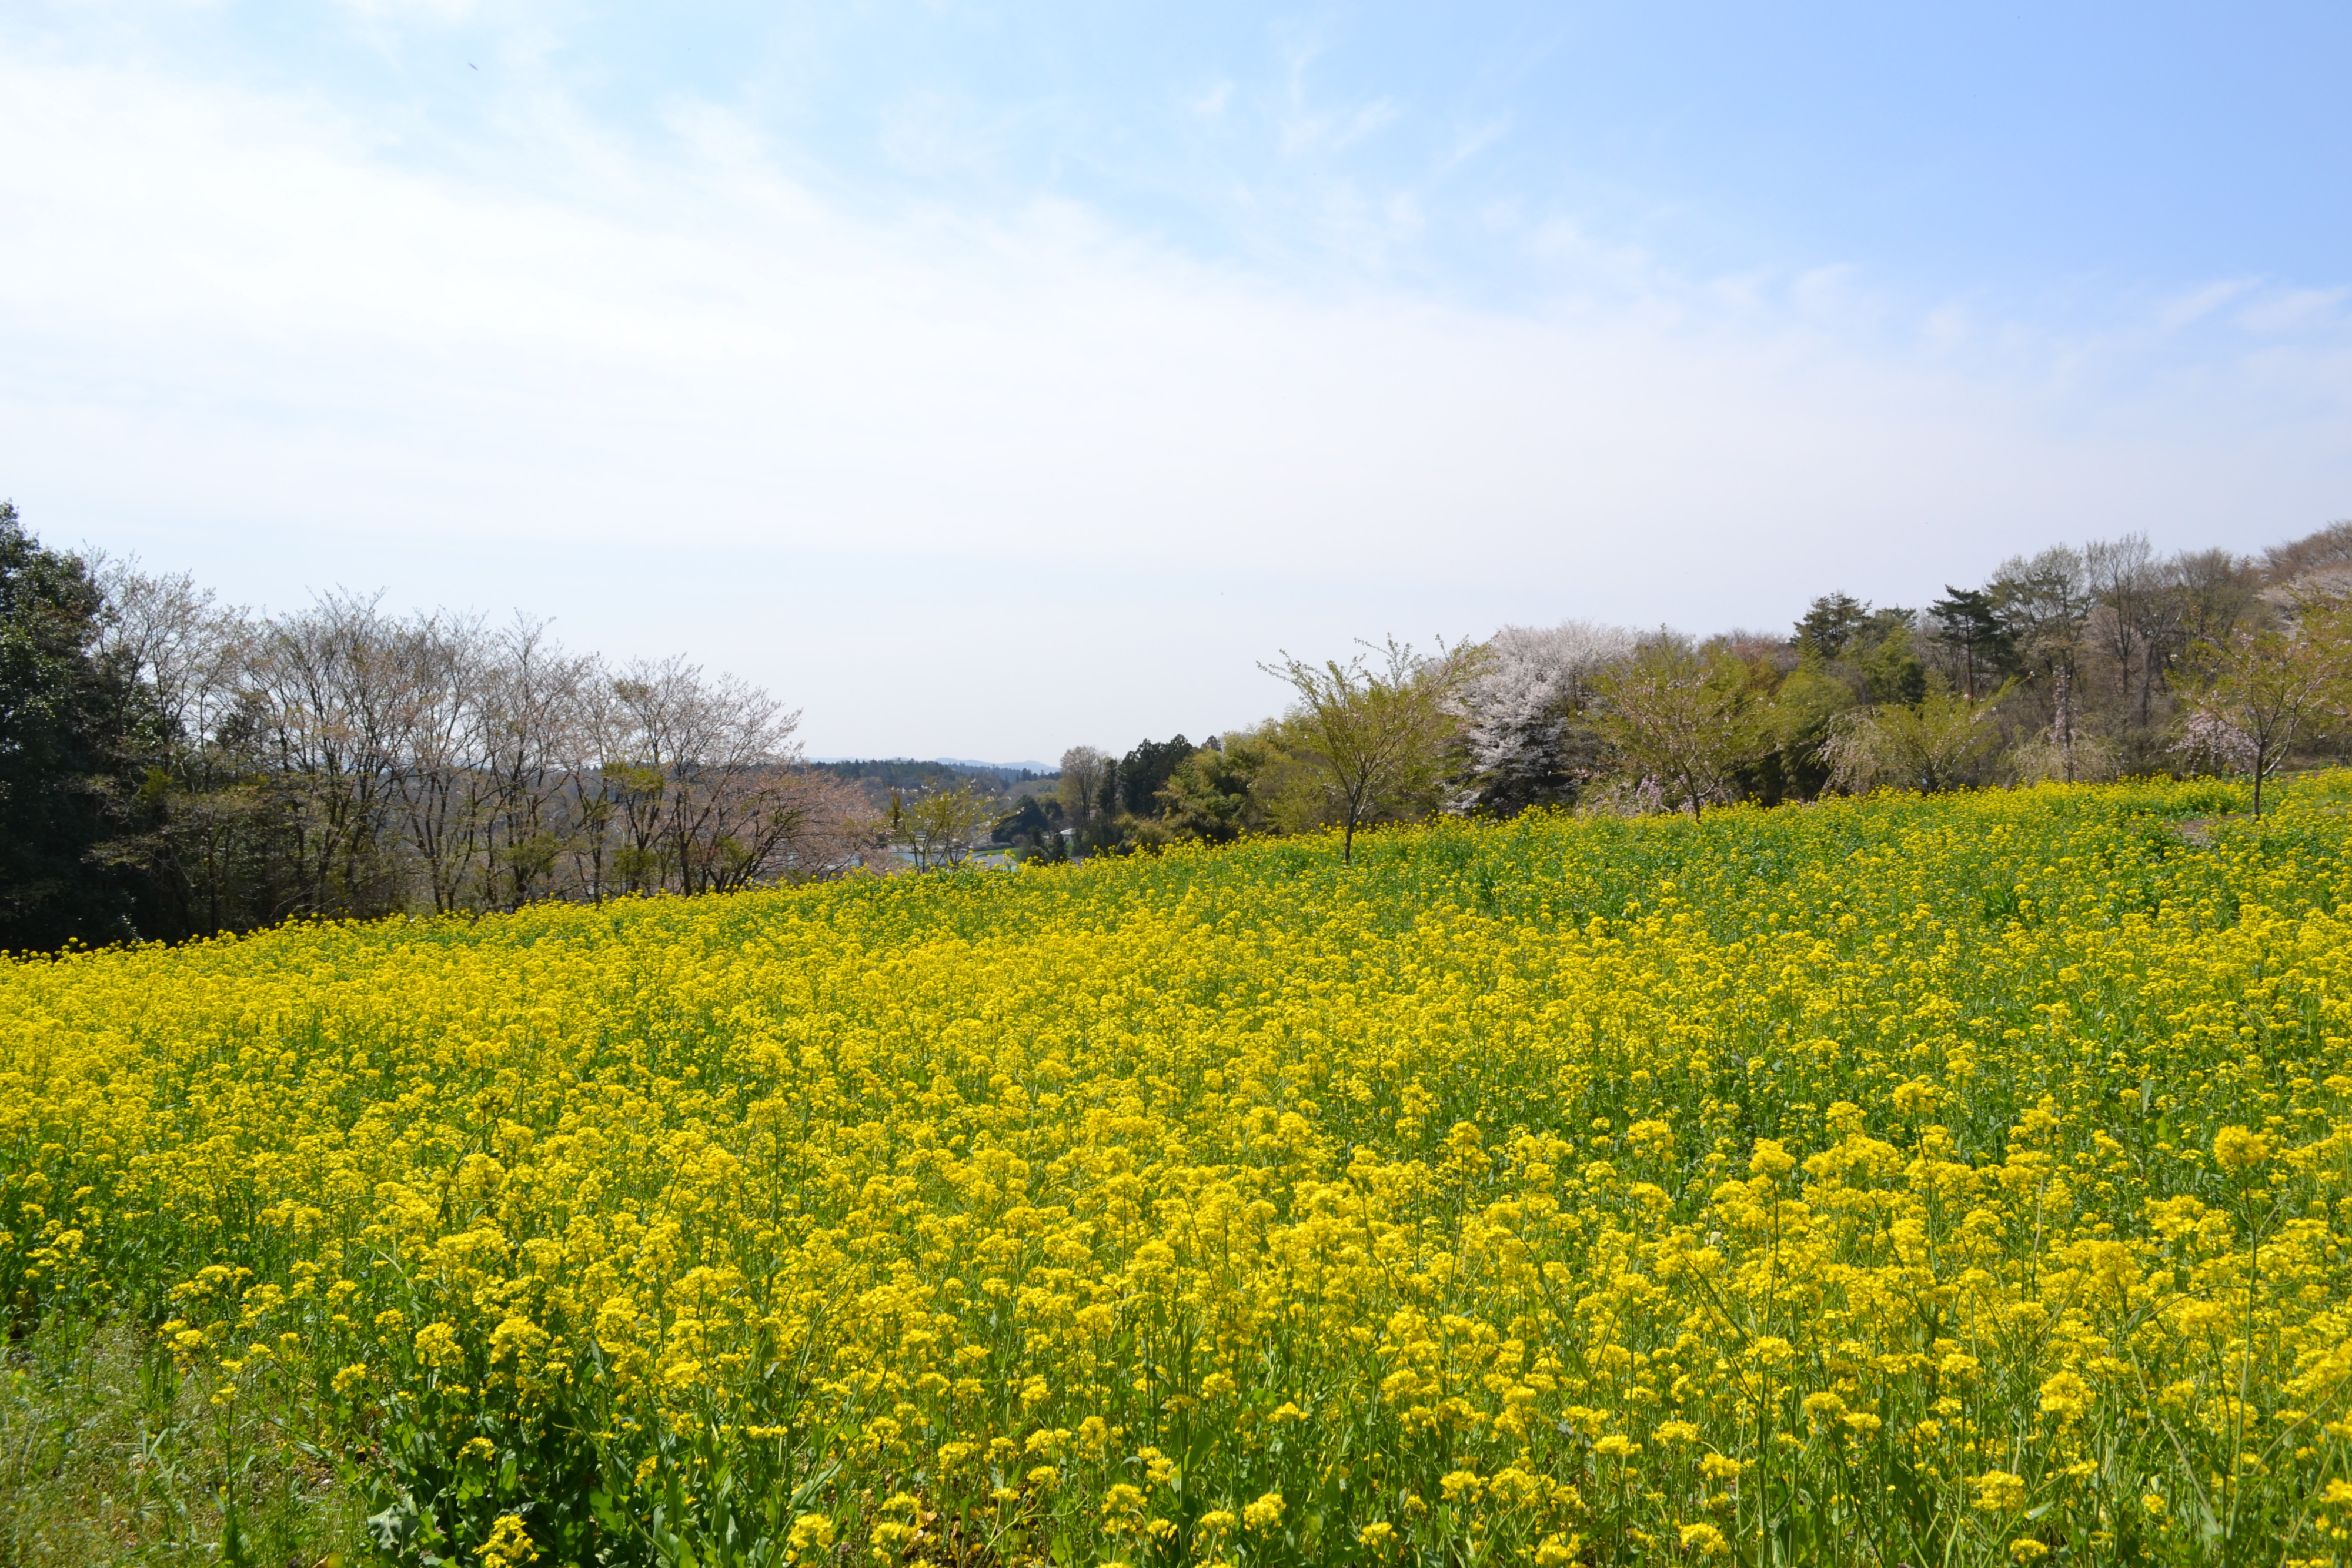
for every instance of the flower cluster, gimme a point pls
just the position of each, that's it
(1963, 1179)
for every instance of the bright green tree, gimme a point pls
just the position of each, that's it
(1686, 717)
(1374, 733)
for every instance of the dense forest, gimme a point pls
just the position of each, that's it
(171, 767)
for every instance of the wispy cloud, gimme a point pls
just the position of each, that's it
(2199, 303)
(1211, 100)
(234, 315)
(2289, 310)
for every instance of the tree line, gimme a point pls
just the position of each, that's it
(2077, 663)
(171, 767)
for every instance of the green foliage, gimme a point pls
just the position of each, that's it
(1796, 726)
(65, 722)
(1372, 735)
(1031, 831)
(1940, 741)
(1832, 624)
(1969, 621)
(941, 829)
(1892, 671)
(1689, 719)
(1145, 771)
(1230, 789)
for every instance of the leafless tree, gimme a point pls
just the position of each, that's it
(532, 737)
(343, 760)
(190, 650)
(2126, 585)
(1084, 771)
(2209, 595)
(438, 668)
(329, 701)
(2318, 564)
(708, 801)
(191, 656)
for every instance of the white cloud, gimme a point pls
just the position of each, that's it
(2294, 310)
(685, 400)
(1210, 103)
(2200, 303)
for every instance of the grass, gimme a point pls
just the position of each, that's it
(108, 1455)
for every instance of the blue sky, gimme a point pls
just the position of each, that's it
(989, 379)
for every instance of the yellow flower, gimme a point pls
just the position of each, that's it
(1265, 1513)
(811, 1536)
(1913, 1099)
(1505, 1143)
(2238, 1150)
(437, 1346)
(1704, 1540)
(2000, 1491)
(1122, 1504)
(2065, 1395)
(508, 1546)
(514, 1337)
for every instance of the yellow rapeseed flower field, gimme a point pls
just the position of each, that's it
(1962, 1180)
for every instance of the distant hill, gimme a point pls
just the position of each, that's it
(1032, 769)
(877, 777)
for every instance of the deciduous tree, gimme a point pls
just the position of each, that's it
(942, 828)
(2257, 691)
(1682, 715)
(1934, 744)
(1526, 736)
(1374, 732)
